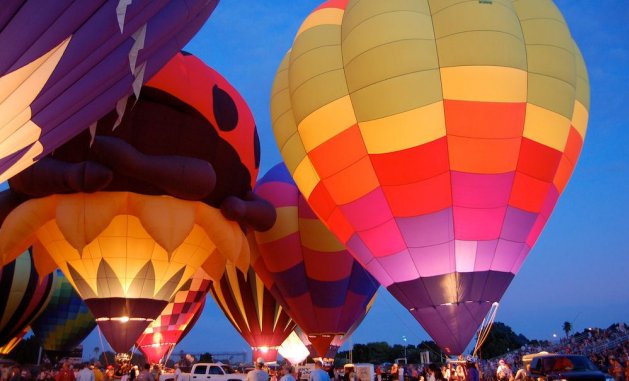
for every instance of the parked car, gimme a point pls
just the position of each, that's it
(207, 372)
(556, 367)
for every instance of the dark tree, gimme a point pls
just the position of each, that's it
(434, 352)
(567, 327)
(501, 340)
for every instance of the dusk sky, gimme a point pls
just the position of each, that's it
(579, 269)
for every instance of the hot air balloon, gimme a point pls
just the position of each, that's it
(293, 349)
(321, 286)
(65, 321)
(336, 343)
(253, 311)
(434, 139)
(67, 63)
(13, 343)
(129, 214)
(176, 320)
(23, 296)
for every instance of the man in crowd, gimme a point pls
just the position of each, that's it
(85, 374)
(503, 372)
(287, 373)
(98, 374)
(472, 372)
(65, 373)
(258, 374)
(318, 374)
(145, 374)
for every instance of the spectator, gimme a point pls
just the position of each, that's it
(145, 374)
(503, 373)
(472, 372)
(98, 374)
(65, 373)
(523, 374)
(6, 371)
(318, 374)
(156, 372)
(394, 372)
(287, 373)
(615, 369)
(110, 373)
(16, 374)
(258, 374)
(85, 373)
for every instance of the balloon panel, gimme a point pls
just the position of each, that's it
(434, 148)
(65, 64)
(23, 296)
(176, 319)
(65, 321)
(293, 349)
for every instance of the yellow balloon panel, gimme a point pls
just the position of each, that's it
(124, 247)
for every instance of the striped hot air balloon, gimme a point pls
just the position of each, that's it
(434, 139)
(23, 296)
(253, 311)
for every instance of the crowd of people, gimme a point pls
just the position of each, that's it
(607, 348)
(82, 372)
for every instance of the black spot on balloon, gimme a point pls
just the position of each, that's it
(225, 110)
(183, 52)
(256, 146)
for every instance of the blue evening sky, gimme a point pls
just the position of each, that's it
(579, 269)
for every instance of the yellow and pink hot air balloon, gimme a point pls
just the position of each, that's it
(434, 139)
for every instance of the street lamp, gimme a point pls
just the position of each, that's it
(404, 339)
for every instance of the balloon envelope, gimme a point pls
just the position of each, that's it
(176, 320)
(321, 286)
(65, 321)
(434, 139)
(121, 215)
(23, 296)
(253, 311)
(66, 63)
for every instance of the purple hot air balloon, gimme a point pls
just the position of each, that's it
(66, 63)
